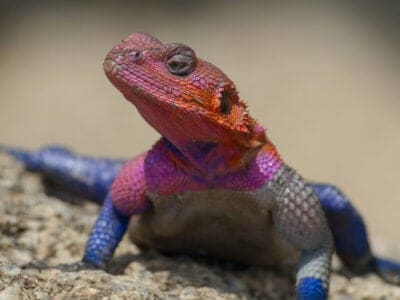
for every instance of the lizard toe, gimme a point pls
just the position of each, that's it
(76, 267)
(387, 270)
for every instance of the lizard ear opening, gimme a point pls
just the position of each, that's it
(229, 108)
(225, 99)
(225, 105)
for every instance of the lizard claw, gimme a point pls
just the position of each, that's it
(387, 270)
(76, 267)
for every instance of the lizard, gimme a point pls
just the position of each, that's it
(213, 184)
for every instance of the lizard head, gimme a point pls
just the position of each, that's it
(182, 96)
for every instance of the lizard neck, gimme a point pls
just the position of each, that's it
(211, 160)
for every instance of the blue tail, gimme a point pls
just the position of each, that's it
(87, 176)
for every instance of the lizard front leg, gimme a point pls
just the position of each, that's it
(105, 236)
(350, 235)
(126, 198)
(298, 216)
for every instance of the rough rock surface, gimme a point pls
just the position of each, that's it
(39, 232)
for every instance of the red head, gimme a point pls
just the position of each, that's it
(182, 96)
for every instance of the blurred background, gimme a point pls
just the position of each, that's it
(324, 79)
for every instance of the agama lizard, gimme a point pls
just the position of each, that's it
(213, 184)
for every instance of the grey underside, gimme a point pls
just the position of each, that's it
(222, 223)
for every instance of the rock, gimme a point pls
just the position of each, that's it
(10, 293)
(39, 233)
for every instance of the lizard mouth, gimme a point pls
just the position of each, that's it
(117, 74)
(110, 66)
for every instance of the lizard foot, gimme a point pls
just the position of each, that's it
(76, 266)
(311, 289)
(387, 270)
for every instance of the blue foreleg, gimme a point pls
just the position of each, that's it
(105, 235)
(350, 235)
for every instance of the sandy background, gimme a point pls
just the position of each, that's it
(324, 80)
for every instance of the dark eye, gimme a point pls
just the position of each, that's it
(181, 64)
(225, 106)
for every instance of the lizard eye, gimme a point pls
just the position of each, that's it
(181, 63)
(135, 56)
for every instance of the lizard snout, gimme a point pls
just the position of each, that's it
(109, 66)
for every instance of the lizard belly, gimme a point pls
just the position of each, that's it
(228, 224)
